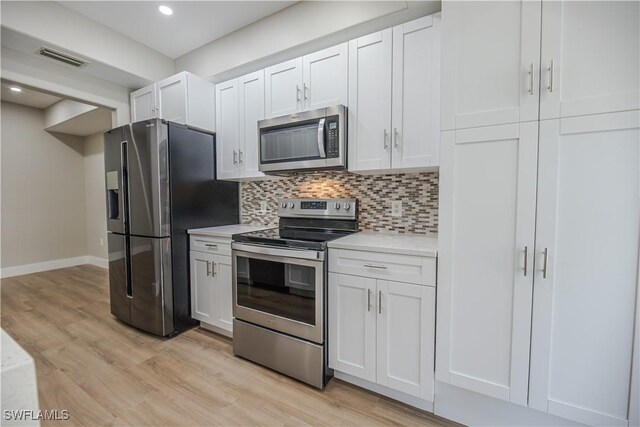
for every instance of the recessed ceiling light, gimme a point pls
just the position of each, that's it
(15, 89)
(166, 10)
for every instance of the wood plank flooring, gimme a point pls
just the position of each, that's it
(106, 373)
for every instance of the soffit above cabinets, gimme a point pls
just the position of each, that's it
(192, 24)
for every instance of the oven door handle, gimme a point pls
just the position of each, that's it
(321, 150)
(274, 251)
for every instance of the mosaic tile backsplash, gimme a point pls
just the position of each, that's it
(417, 191)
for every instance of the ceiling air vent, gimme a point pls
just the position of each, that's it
(62, 57)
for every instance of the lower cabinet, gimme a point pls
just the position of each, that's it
(383, 332)
(211, 293)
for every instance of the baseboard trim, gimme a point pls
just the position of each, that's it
(55, 264)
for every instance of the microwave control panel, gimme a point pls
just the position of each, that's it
(333, 138)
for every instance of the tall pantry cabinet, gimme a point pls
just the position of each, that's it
(540, 204)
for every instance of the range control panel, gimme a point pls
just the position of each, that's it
(318, 208)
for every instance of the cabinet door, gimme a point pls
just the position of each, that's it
(406, 332)
(370, 102)
(416, 93)
(222, 301)
(143, 104)
(595, 49)
(489, 51)
(325, 76)
(283, 88)
(487, 212)
(228, 129)
(201, 286)
(583, 312)
(352, 325)
(171, 96)
(251, 88)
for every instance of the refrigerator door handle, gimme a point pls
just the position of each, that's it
(124, 159)
(127, 267)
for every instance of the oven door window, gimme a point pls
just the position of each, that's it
(281, 289)
(290, 144)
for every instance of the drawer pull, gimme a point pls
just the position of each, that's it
(211, 245)
(382, 267)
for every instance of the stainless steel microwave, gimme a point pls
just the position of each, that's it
(306, 141)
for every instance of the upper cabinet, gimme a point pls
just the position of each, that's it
(313, 81)
(183, 98)
(490, 58)
(239, 107)
(394, 98)
(590, 58)
(505, 62)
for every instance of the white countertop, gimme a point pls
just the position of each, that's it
(18, 374)
(403, 244)
(227, 231)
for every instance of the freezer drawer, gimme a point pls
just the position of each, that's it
(151, 285)
(118, 277)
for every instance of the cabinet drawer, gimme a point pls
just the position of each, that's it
(399, 268)
(213, 245)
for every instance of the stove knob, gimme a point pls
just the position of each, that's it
(291, 205)
(337, 205)
(347, 206)
(283, 205)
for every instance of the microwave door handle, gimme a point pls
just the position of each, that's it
(323, 154)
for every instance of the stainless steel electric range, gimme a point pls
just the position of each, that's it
(280, 287)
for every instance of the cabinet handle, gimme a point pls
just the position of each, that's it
(306, 88)
(395, 137)
(545, 262)
(384, 267)
(208, 269)
(385, 134)
(368, 299)
(297, 93)
(235, 157)
(531, 82)
(526, 258)
(240, 156)
(379, 302)
(550, 87)
(211, 245)
(213, 269)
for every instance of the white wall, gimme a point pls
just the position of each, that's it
(42, 185)
(96, 217)
(301, 28)
(64, 110)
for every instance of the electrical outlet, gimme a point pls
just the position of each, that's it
(263, 207)
(396, 208)
(101, 242)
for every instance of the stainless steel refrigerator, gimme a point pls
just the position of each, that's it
(160, 181)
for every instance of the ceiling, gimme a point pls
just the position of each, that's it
(28, 97)
(193, 23)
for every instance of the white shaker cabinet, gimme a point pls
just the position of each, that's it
(310, 82)
(588, 223)
(370, 102)
(251, 107)
(143, 104)
(227, 130)
(487, 223)
(394, 98)
(211, 282)
(283, 88)
(352, 325)
(415, 109)
(490, 63)
(239, 107)
(183, 98)
(324, 75)
(382, 331)
(590, 59)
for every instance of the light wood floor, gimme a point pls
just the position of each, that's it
(106, 373)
